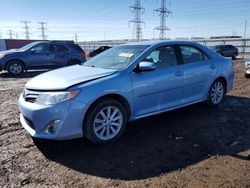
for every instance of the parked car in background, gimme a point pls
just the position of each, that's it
(226, 50)
(247, 68)
(122, 84)
(41, 55)
(98, 51)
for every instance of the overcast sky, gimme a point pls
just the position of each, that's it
(108, 19)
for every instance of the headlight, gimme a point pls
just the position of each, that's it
(50, 98)
(2, 55)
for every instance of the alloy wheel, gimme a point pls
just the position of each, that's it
(217, 92)
(108, 123)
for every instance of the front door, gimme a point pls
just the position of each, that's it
(161, 88)
(39, 56)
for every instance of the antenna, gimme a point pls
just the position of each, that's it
(163, 12)
(42, 28)
(26, 28)
(137, 10)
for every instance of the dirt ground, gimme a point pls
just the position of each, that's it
(197, 146)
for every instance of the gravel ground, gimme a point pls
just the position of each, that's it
(197, 146)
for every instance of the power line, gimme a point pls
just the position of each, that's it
(26, 28)
(163, 13)
(10, 32)
(245, 30)
(138, 10)
(43, 28)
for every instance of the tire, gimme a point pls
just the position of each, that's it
(234, 56)
(15, 68)
(216, 92)
(105, 121)
(73, 62)
(247, 75)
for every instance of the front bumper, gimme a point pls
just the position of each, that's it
(247, 69)
(35, 119)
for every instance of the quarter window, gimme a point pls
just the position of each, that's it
(163, 56)
(191, 54)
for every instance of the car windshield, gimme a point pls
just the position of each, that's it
(116, 58)
(28, 46)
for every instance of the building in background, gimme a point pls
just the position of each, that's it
(7, 44)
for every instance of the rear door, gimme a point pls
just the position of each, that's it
(227, 51)
(61, 55)
(199, 71)
(161, 88)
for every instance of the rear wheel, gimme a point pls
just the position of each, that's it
(234, 56)
(105, 121)
(15, 68)
(216, 92)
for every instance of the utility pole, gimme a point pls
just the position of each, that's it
(76, 37)
(163, 12)
(137, 10)
(42, 28)
(26, 29)
(10, 32)
(245, 30)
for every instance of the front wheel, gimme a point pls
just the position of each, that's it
(216, 93)
(105, 121)
(15, 68)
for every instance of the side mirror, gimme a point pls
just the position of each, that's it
(33, 51)
(146, 66)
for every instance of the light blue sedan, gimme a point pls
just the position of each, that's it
(122, 84)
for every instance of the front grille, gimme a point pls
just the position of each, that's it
(29, 122)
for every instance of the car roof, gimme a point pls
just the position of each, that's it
(157, 42)
(55, 42)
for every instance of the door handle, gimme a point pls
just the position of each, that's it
(212, 66)
(179, 73)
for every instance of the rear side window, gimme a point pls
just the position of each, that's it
(191, 54)
(58, 48)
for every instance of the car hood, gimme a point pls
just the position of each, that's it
(63, 78)
(9, 51)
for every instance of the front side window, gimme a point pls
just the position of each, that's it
(40, 48)
(116, 58)
(191, 54)
(163, 56)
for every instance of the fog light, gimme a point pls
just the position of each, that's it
(52, 127)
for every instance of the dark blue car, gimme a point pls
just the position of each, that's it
(41, 55)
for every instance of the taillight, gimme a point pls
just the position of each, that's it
(84, 55)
